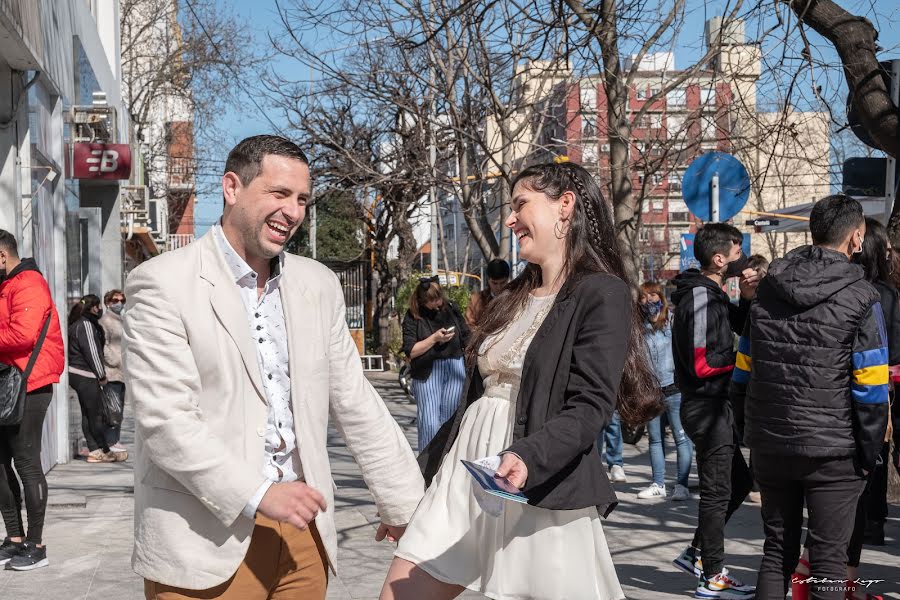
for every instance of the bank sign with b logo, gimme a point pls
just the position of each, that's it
(100, 161)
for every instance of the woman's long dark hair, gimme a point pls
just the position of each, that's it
(83, 307)
(591, 247)
(874, 256)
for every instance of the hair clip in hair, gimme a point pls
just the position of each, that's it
(427, 281)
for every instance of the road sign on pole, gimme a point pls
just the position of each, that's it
(715, 187)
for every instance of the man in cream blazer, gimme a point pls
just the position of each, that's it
(236, 354)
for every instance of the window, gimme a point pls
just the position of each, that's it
(657, 205)
(674, 124)
(708, 97)
(677, 206)
(653, 92)
(588, 97)
(675, 234)
(656, 121)
(589, 153)
(643, 122)
(645, 206)
(675, 186)
(589, 131)
(644, 234)
(641, 93)
(659, 235)
(708, 126)
(657, 179)
(677, 97)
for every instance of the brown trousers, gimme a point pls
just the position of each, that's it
(282, 563)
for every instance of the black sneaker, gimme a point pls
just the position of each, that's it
(8, 549)
(29, 557)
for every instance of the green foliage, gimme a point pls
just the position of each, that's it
(340, 233)
(458, 294)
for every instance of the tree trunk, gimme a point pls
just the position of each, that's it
(624, 208)
(855, 38)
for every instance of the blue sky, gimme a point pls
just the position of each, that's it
(261, 18)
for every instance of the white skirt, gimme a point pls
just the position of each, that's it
(526, 552)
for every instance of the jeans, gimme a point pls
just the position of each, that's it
(612, 436)
(725, 479)
(20, 453)
(437, 397)
(683, 448)
(830, 488)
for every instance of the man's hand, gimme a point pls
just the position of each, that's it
(749, 282)
(512, 468)
(295, 503)
(392, 532)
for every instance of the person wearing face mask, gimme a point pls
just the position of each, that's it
(87, 373)
(815, 421)
(704, 357)
(498, 276)
(111, 322)
(26, 307)
(434, 338)
(658, 335)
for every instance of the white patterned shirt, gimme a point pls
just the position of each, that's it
(281, 461)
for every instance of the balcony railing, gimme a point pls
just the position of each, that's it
(179, 240)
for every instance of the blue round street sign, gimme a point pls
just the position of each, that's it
(734, 185)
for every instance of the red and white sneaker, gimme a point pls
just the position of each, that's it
(724, 586)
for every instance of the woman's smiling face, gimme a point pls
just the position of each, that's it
(534, 220)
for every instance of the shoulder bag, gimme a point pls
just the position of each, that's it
(14, 384)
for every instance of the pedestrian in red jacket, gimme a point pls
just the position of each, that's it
(25, 305)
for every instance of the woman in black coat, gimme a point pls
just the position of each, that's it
(559, 349)
(434, 336)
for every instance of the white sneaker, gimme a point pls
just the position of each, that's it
(681, 493)
(617, 474)
(654, 491)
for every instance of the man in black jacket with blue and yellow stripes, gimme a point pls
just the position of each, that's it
(812, 374)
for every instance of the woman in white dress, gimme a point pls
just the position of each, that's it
(545, 373)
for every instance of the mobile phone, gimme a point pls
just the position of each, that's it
(450, 329)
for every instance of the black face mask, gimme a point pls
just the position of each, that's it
(736, 267)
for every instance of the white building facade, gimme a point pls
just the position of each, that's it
(59, 78)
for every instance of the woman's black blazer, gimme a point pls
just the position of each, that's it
(567, 395)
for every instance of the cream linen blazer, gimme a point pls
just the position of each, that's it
(192, 374)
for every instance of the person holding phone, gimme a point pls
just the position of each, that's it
(559, 350)
(434, 338)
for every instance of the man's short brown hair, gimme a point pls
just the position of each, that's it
(245, 159)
